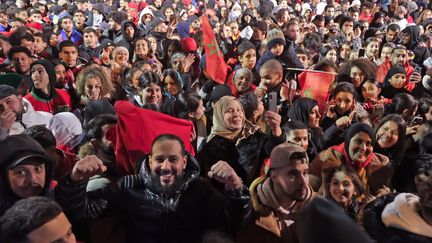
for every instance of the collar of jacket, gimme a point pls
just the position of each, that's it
(265, 216)
(333, 158)
(191, 173)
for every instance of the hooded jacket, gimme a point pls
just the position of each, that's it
(288, 59)
(124, 40)
(151, 216)
(421, 53)
(58, 100)
(29, 118)
(89, 53)
(141, 24)
(21, 144)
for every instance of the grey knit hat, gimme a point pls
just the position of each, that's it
(275, 36)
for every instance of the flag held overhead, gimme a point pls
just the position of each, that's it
(215, 64)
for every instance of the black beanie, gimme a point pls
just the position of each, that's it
(393, 70)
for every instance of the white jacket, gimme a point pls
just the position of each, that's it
(30, 118)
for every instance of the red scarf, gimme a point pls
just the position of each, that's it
(341, 149)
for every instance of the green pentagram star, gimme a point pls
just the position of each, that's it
(214, 48)
(308, 93)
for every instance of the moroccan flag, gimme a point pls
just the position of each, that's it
(137, 128)
(215, 64)
(316, 86)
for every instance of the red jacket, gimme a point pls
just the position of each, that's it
(385, 67)
(60, 103)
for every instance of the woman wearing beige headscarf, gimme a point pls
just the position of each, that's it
(236, 140)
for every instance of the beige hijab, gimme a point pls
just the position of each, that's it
(220, 128)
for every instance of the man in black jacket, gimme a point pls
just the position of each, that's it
(165, 202)
(90, 49)
(115, 20)
(26, 170)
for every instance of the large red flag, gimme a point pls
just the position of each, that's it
(137, 128)
(215, 64)
(316, 86)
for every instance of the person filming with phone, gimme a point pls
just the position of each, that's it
(342, 111)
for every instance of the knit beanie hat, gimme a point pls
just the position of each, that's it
(120, 48)
(393, 70)
(274, 36)
(188, 44)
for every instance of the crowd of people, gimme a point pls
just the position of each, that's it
(115, 125)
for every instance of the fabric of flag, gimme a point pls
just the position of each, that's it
(137, 128)
(316, 86)
(215, 64)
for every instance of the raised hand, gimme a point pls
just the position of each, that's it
(261, 91)
(415, 77)
(87, 167)
(225, 174)
(288, 90)
(273, 120)
(345, 121)
(190, 59)
(7, 118)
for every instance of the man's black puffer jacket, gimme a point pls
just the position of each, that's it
(148, 216)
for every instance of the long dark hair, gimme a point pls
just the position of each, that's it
(148, 78)
(186, 102)
(350, 172)
(401, 102)
(396, 152)
(369, 70)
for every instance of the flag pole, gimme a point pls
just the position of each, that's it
(308, 70)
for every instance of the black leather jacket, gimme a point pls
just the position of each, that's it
(148, 216)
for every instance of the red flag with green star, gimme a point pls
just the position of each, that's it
(316, 86)
(215, 64)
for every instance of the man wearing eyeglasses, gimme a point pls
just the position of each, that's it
(279, 196)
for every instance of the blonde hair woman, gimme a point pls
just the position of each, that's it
(94, 83)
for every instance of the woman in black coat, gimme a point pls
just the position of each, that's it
(237, 141)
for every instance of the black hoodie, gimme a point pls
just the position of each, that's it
(14, 148)
(124, 40)
(421, 53)
(52, 79)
